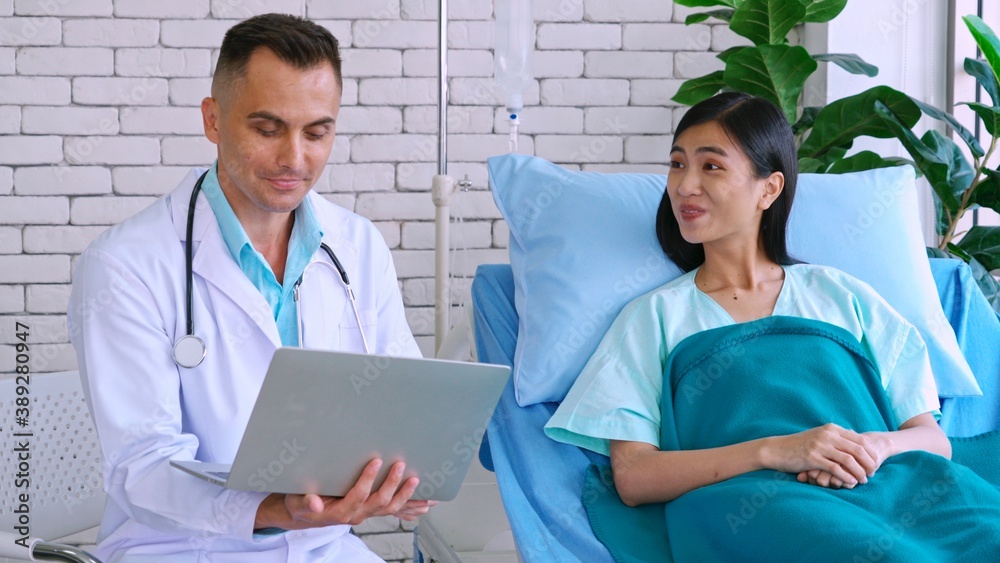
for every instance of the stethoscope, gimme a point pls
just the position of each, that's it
(190, 350)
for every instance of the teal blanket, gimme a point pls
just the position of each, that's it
(778, 376)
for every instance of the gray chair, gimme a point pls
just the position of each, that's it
(61, 474)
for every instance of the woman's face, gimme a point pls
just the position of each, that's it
(712, 188)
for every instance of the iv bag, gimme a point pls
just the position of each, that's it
(515, 40)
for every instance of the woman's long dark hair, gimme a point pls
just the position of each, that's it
(761, 131)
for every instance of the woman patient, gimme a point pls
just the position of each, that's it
(796, 386)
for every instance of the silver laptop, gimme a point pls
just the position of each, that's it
(322, 416)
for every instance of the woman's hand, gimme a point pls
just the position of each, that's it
(918, 433)
(820, 478)
(829, 455)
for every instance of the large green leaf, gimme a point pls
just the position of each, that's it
(851, 63)
(943, 218)
(843, 120)
(821, 165)
(724, 14)
(988, 192)
(968, 136)
(767, 22)
(822, 11)
(960, 173)
(955, 250)
(698, 89)
(990, 116)
(983, 244)
(988, 42)
(724, 56)
(708, 3)
(865, 160)
(806, 120)
(986, 77)
(812, 166)
(927, 160)
(773, 72)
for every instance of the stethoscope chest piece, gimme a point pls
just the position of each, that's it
(189, 351)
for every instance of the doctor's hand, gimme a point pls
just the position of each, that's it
(827, 456)
(414, 509)
(296, 512)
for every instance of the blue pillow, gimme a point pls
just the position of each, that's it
(868, 225)
(583, 244)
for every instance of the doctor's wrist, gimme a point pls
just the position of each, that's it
(272, 514)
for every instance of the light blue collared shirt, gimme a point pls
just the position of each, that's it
(304, 242)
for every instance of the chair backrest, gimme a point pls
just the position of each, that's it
(62, 472)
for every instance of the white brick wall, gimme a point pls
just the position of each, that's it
(30, 31)
(558, 64)
(10, 120)
(128, 92)
(189, 91)
(65, 61)
(634, 11)
(31, 150)
(112, 150)
(579, 36)
(10, 240)
(667, 37)
(111, 33)
(63, 7)
(585, 92)
(179, 9)
(7, 55)
(47, 298)
(99, 116)
(44, 120)
(162, 62)
(62, 180)
(26, 90)
(558, 10)
(628, 64)
(190, 151)
(6, 180)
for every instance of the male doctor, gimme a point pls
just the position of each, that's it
(255, 229)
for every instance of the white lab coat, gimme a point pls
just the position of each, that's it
(126, 311)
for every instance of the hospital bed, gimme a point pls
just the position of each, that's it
(541, 481)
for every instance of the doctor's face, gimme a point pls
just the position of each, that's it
(274, 128)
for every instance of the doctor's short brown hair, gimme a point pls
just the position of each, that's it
(297, 41)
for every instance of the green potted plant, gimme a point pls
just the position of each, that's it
(773, 69)
(959, 185)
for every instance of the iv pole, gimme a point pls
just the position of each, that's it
(442, 188)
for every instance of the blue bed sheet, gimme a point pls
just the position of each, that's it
(977, 327)
(541, 481)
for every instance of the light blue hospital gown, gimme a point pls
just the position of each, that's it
(617, 396)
